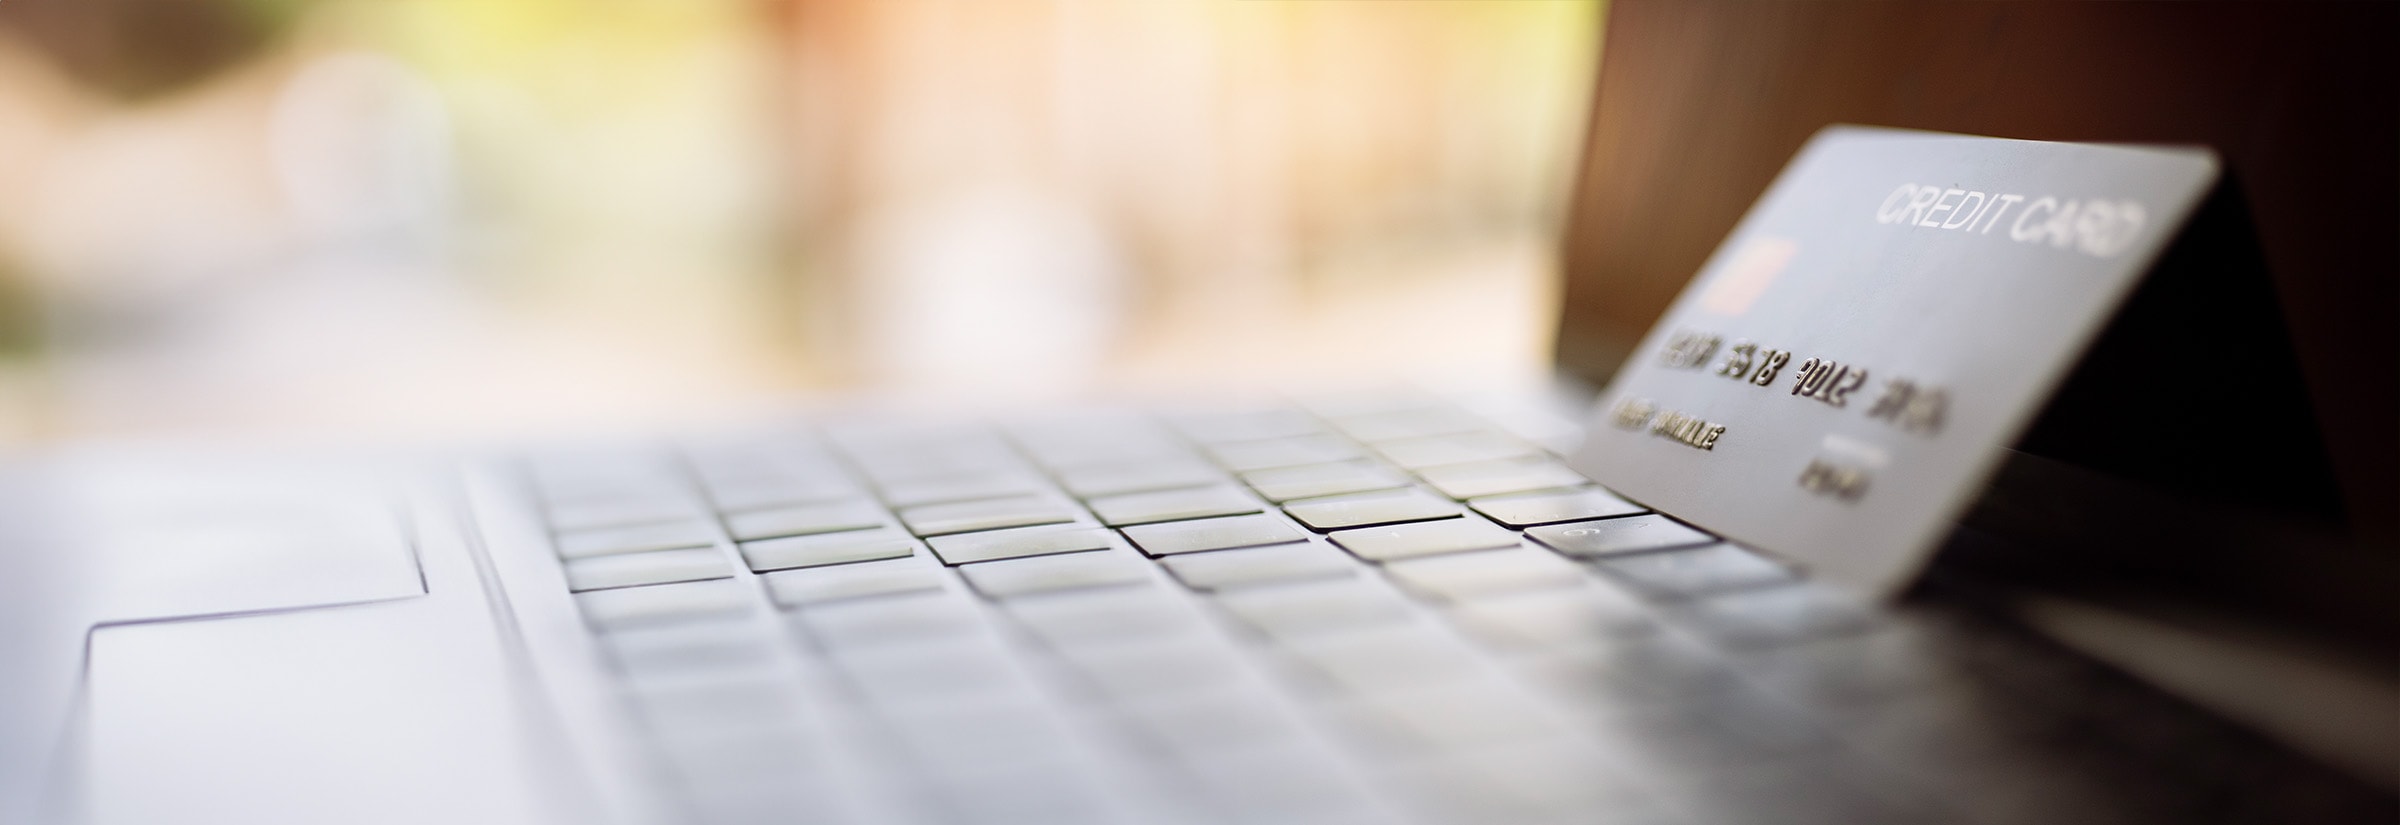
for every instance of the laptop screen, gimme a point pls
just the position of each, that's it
(1853, 361)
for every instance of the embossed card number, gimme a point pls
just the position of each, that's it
(1910, 407)
(1827, 381)
(1903, 403)
(1746, 362)
(1690, 350)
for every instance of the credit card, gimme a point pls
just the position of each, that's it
(1843, 375)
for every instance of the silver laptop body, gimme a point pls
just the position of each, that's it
(1678, 604)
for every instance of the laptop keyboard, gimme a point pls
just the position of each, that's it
(1400, 613)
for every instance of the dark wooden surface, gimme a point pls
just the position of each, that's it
(1700, 102)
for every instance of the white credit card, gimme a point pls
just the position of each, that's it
(1852, 363)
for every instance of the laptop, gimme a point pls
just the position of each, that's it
(1817, 547)
(1702, 599)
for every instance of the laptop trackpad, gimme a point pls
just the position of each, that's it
(387, 712)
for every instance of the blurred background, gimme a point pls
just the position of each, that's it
(463, 216)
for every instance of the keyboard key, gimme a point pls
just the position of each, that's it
(1471, 575)
(1100, 441)
(1113, 452)
(940, 490)
(1172, 505)
(761, 455)
(1257, 425)
(966, 667)
(711, 650)
(1395, 425)
(1343, 404)
(907, 453)
(1443, 450)
(902, 619)
(1318, 480)
(624, 460)
(1141, 477)
(1010, 544)
(1246, 456)
(817, 551)
(944, 474)
(1211, 534)
(1384, 658)
(595, 503)
(1699, 571)
(722, 761)
(1637, 670)
(1041, 574)
(1530, 509)
(1611, 537)
(1426, 538)
(1010, 792)
(618, 511)
(1370, 509)
(803, 520)
(658, 603)
(1863, 670)
(1214, 721)
(1540, 780)
(1292, 782)
(654, 567)
(1493, 478)
(759, 803)
(984, 737)
(672, 535)
(1107, 618)
(1468, 712)
(1150, 672)
(760, 492)
(735, 705)
(1776, 616)
(1552, 619)
(1312, 607)
(1730, 727)
(971, 516)
(794, 588)
(567, 477)
(1260, 565)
